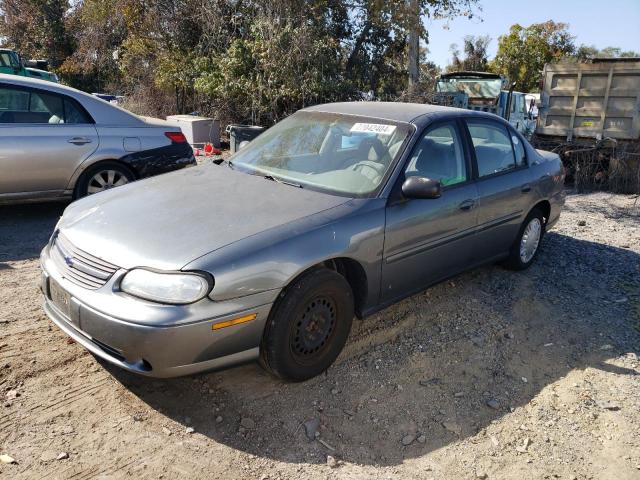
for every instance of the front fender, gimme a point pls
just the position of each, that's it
(272, 259)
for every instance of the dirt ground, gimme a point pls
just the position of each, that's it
(496, 374)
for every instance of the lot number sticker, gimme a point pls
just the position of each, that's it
(373, 128)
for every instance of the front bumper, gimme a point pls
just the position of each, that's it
(152, 339)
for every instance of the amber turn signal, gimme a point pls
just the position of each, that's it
(235, 321)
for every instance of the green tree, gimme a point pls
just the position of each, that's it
(475, 54)
(37, 28)
(98, 29)
(273, 72)
(523, 52)
(585, 53)
(241, 60)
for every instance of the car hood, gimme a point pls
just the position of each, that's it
(168, 221)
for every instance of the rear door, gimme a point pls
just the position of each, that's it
(44, 137)
(503, 182)
(427, 240)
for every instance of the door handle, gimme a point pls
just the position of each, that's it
(526, 188)
(467, 205)
(79, 140)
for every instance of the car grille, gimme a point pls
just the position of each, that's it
(80, 267)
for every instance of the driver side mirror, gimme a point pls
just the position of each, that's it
(421, 187)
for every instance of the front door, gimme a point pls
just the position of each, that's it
(427, 240)
(44, 137)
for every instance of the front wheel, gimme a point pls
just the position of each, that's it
(308, 326)
(525, 248)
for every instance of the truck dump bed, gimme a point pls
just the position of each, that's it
(595, 100)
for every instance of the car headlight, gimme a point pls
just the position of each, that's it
(176, 288)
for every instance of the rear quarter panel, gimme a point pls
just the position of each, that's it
(113, 143)
(547, 173)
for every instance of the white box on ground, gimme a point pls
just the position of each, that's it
(198, 129)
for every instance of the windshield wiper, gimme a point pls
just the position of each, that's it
(280, 180)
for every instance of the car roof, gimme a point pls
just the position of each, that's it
(103, 112)
(417, 113)
(471, 75)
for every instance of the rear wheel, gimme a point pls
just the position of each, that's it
(308, 326)
(103, 176)
(525, 248)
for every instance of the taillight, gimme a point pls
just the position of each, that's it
(176, 137)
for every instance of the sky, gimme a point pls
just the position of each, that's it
(602, 23)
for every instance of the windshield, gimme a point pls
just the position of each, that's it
(342, 154)
(474, 87)
(8, 59)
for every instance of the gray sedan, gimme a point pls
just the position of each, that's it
(59, 143)
(336, 212)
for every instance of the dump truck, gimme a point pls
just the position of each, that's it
(11, 63)
(487, 92)
(591, 100)
(589, 113)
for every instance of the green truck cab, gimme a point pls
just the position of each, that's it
(12, 64)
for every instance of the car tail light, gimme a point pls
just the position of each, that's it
(176, 137)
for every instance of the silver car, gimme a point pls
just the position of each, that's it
(335, 212)
(57, 142)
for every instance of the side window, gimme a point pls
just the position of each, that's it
(19, 105)
(73, 113)
(8, 60)
(5, 61)
(438, 156)
(492, 146)
(13, 99)
(518, 148)
(48, 108)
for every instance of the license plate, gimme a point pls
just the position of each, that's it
(60, 298)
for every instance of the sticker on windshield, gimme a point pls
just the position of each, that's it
(373, 128)
(515, 140)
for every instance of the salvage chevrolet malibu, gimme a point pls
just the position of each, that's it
(335, 212)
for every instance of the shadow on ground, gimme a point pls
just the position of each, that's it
(25, 230)
(429, 366)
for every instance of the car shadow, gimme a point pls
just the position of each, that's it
(25, 230)
(436, 368)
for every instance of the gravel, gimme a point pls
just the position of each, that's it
(444, 367)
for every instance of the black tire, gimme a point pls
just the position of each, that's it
(515, 260)
(308, 326)
(83, 184)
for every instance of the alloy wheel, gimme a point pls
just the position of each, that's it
(106, 179)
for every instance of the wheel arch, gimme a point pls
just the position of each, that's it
(545, 207)
(352, 270)
(85, 167)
